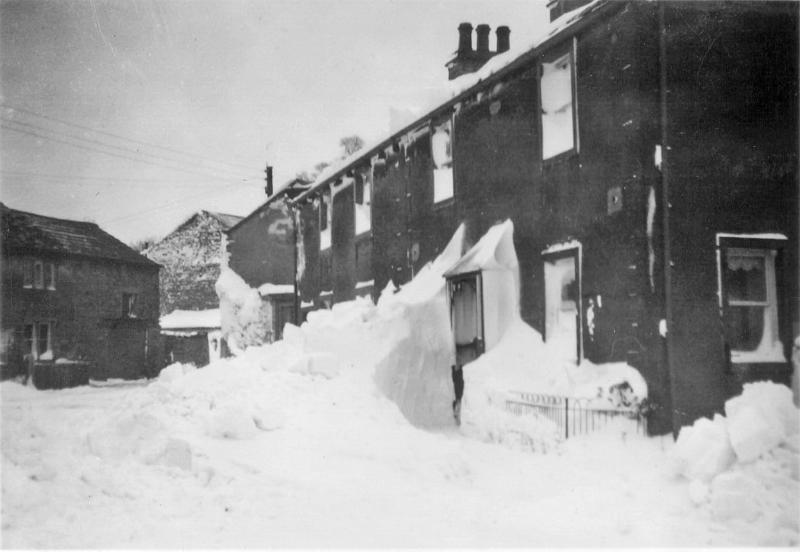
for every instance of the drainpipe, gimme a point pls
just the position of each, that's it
(665, 208)
(295, 214)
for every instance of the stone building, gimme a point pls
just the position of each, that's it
(76, 303)
(191, 257)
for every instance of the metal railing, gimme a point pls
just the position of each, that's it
(575, 416)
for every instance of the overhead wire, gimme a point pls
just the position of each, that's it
(120, 137)
(83, 139)
(112, 154)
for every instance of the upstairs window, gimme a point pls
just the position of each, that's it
(442, 154)
(129, 305)
(27, 274)
(750, 304)
(363, 203)
(558, 105)
(37, 274)
(50, 276)
(325, 220)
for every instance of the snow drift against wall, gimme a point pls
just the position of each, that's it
(244, 317)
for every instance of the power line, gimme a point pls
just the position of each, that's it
(82, 140)
(109, 178)
(168, 205)
(112, 154)
(119, 137)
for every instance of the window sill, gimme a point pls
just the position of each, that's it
(560, 158)
(444, 203)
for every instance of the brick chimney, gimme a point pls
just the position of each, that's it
(503, 42)
(468, 60)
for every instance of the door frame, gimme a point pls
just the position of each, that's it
(550, 256)
(478, 279)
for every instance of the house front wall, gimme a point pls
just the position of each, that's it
(261, 248)
(724, 162)
(82, 310)
(731, 72)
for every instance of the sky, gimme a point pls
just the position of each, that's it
(135, 114)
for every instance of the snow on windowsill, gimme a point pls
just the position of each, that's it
(763, 236)
(275, 289)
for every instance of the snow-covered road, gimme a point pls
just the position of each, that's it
(333, 471)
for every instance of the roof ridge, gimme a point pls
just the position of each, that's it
(49, 216)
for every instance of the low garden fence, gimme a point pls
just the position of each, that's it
(576, 416)
(54, 375)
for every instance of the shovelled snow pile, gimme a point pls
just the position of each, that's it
(745, 463)
(241, 312)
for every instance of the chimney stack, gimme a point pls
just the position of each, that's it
(464, 39)
(468, 60)
(503, 42)
(268, 188)
(482, 31)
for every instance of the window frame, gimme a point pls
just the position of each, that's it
(770, 249)
(362, 199)
(27, 273)
(326, 217)
(50, 277)
(32, 342)
(448, 166)
(552, 57)
(38, 274)
(130, 301)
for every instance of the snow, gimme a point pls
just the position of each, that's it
(761, 236)
(743, 466)
(244, 315)
(341, 435)
(181, 319)
(275, 289)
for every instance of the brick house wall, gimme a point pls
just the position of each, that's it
(83, 310)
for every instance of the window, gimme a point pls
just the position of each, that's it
(363, 207)
(442, 154)
(750, 304)
(38, 340)
(27, 273)
(558, 110)
(38, 275)
(325, 220)
(50, 276)
(129, 305)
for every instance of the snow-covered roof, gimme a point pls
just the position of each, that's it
(494, 251)
(183, 319)
(275, 289)
(457, 89)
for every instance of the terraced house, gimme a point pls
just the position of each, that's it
(646, 153)
(76, 302)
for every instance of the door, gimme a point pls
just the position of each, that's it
(466, 318)
(562, 304)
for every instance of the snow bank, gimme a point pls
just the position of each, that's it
(244, 316)
(744, 466)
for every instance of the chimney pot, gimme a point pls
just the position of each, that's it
(464, 38)
(483, 38)
(503, 42)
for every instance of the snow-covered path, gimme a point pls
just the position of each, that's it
(351, 473)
